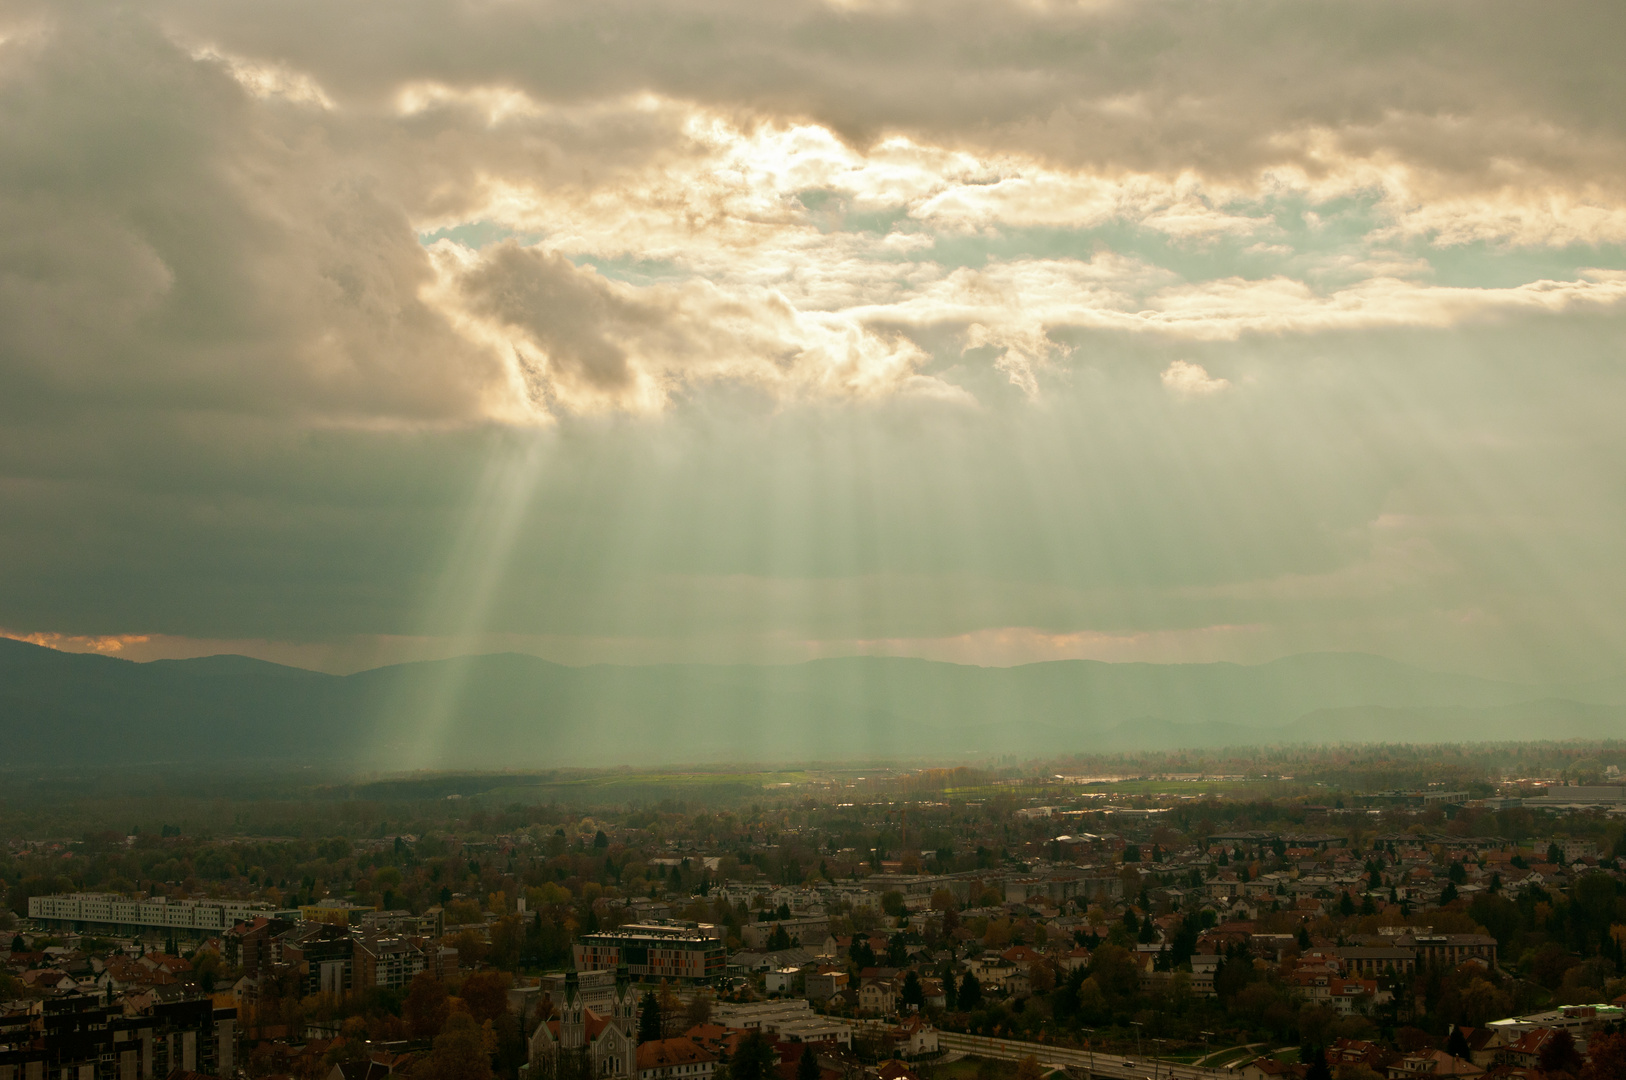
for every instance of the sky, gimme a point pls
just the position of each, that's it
(343, 334)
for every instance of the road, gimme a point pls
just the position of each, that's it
(1114, 1066)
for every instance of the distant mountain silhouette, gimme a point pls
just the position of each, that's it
(507, 710)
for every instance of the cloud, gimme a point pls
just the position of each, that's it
(277, 282)
(166, 239)
(104, 643)
(269, 80)
(581, 340)
(1165, 87)
(1190, 380)
(268, 216)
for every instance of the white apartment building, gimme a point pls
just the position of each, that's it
(83, 910)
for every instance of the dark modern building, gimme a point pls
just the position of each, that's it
(654, 951)
(83, 1037)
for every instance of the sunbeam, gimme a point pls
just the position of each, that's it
(456, 612)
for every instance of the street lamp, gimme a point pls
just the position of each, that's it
(1138, 1052)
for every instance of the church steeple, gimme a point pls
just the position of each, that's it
(572, 1021)
(625, 1017)
(625, 1003)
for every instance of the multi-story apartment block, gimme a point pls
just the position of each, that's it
(323, 954)
(84, 1037)
(690, 953)
(390, 962)
(90, 911)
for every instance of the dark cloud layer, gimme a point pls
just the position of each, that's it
(561, 310)
(164, 244)
(1465, 87)
(734, 387)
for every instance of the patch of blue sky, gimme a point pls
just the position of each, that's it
(833, 212)
(1483, 264)
(477, 235)
(1292, 236)
(1347, 216)
(1263, 253)
(634, 271)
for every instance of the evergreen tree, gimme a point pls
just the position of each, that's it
(808, 1067)
(912, 992)
(753, 1060)
(649, 1018)
(970, 992)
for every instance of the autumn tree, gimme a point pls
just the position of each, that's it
(485, 995)
(426, 1008)
(698, 1011)
(470, 946)
(671, 1012)
(460, 1053)
(1558, 1054)
(1608, 1058)
(507, 937)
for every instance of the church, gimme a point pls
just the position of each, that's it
(577, 1043)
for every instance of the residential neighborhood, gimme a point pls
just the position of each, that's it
(1404, 937)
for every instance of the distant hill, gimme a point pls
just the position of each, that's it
(507, 710)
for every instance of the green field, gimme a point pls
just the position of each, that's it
(1188, 787)
(619, 788)
(1235, 1054)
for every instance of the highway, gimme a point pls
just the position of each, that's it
(1115, 1066)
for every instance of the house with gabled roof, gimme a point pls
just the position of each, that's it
(674, 1059)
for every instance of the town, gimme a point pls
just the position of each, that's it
(1195, 924)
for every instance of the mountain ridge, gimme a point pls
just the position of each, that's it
(516, 709)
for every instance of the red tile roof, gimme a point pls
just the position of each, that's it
(662, 1053)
